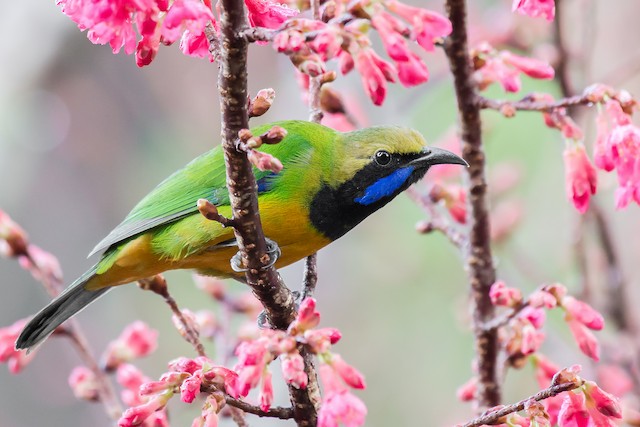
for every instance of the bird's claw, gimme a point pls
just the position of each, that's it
(273, 251)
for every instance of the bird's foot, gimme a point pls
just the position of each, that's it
(273, 252)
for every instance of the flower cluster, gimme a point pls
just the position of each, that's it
(136, 340)
(523, 335)
(189, 377)
(160, 22)
(504, 67)
(309, 44)
(16, 360)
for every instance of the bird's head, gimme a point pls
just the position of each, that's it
(371, 167)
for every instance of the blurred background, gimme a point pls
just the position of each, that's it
(84, 134)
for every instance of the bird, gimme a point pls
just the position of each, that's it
(330, 182)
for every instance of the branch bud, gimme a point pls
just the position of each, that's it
(273, 135)
(262, 102)
(331, 101)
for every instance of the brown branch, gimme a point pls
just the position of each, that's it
(276, 412)
(158, 285)
(562, 66)
(479, 262)
(436, 221)
(493, 416)
(498, 322)
(526, 104)
(263, 278)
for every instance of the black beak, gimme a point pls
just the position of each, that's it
(437, 156)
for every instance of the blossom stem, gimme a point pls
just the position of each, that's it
(479, 262)
(526, 104)
(492, 417)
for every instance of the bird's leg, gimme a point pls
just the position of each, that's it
(273, 253)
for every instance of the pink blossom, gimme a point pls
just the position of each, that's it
(196, 45)
(542, 299)
(495, 70)
(320, 340)
(308, 317)
(266, 392)
(587, 342)
(413, 71)
(132, 379)
(580, 176)
(42, 265)
(573, 412)
(605, 403)
(213, 286)
(138, 414)
(339, 405)
(531, 339)
(264, 161)
(137, 340)
(394, 43)
(427, 25)
(535, 316)
(84, 384)
(293, 370)
(191, 15)
(15, 359)
(502, 295)
(209, 415)
(190, 387)
(467, 391)
(345, 62)
(531, 67)
(373, 78)
(583, 313)
(350, 375)
(15, 237)
(289, 41)
(536, 8)
(268, 13)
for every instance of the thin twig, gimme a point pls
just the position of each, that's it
(493, 416)
(498, 322)
(479, 262)
(275, 412)
(74, 332)
(527, 104)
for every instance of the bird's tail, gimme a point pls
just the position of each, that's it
(69, 302)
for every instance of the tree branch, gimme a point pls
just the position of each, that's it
(263, 278)
(479, 263)
(527, 104)
(493, 416)
(276, 412)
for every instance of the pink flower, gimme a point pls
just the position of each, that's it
(605, 403)
(350, 375)
(266, 392)
(209, 415)
(308, 317)
(412, 72)
(583, 312)
(503, 295)
(137, 340)
(373, 79)
(132, 379)
(84, 384)
(536, 8)
(16, 359)
(191, 15)
(573, 412)
(338, 404)
(467, 391)
(580, 176)
(535, 316)
(138, 414)
(529, 66)
(542, 299)
(584, 337)
(320, 340)
(268, 13)
(293, 370)
(394, 43)
(196, 45)
(495, 70)
(190, 387)
(426, 24)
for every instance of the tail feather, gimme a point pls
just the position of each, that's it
(68, 303)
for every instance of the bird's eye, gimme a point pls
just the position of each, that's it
(382, 157)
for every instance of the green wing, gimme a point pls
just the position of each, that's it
(204, 177)
(174, 198)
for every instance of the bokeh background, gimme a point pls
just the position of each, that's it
(84, 134)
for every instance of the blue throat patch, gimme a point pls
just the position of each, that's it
(385, 186)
